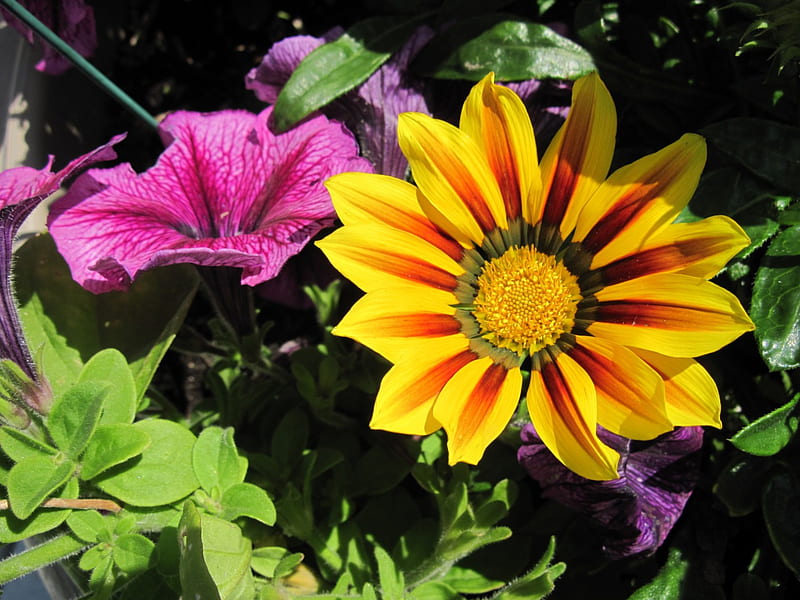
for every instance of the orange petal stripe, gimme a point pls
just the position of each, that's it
(368, 197)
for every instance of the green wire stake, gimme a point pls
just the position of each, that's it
(81, 63)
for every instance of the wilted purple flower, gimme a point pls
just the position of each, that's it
(370, 110)
(639, 508)
(226, 192)
(21, 190)
(71, 20)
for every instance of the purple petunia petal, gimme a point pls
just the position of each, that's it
(21, 190)
(267, 79)
(71, 20)
(225, 192)
(638, 509)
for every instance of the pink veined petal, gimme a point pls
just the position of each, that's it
(226, 191)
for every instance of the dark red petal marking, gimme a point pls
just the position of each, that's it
(412, 269)
(563, 401)
(416, 325)
(645, 313)
(661, 259)
(481, 400)
(430, 383)
(424, 229)
(605, 375)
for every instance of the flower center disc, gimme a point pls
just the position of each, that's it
(525, 300)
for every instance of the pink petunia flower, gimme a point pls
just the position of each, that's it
(21, 190)
(226, 192)
(71, 20)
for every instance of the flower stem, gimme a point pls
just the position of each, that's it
(80, 62)
(49, 552)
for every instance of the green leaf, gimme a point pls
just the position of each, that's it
(390, 578)
(133, 553)
(337, 67)
(32, 480)
(111, 445)
(13, 529)
(68, 325)
(538, 582)
(668, 583)
(265, 560)
(435, 590)
(109, 366)
(19, 446)
(765, 147)
(769, 434)
(247, 500)
(775, 310)
(215, 558)
(290, 437)
(75, 415)
(779, 503)
(740, 483)
(216, 461)
(513, 49)
(87, 524)
(162, 474)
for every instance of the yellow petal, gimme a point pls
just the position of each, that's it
(563, 406)
(408, 391)
(453, 175)
(374, 256)
(475, 406)
(392, 321)
(369, 198)
(700, 248)
(630, 394)
(579, 156)
(692, 396)
(640, 198)
(495, 117)
(670, 313)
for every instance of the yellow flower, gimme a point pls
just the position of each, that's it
(494, 263)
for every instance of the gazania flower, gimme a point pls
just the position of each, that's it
(493, 263)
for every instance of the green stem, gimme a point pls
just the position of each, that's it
(81, 63)
(35, 558)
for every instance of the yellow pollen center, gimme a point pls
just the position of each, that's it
(525, 300)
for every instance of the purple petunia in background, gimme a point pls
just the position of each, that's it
(226, 192)
(21, 191)
(637, 510)
(71, 20)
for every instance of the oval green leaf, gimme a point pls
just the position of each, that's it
(775, 309)
(515, 50)
(248, 500)
(32, 480)
(779, 503)
(337, 67)
(111, 445)
(769, 434)
(132, 553)
(216, 461)
(162, 474)
(110, 366)
(13, 529)
(75, 415)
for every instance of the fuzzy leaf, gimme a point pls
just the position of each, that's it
(132, 553)
(162, 474)
(247, 500)
(109, 366)
(32, 480)
(111, 445)
(86, 524)
(668, 584)
(13, 529)
(216, 461)
(775, 310)
(513, 49)
(337, 67)
(19, 445)
(75, 415)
